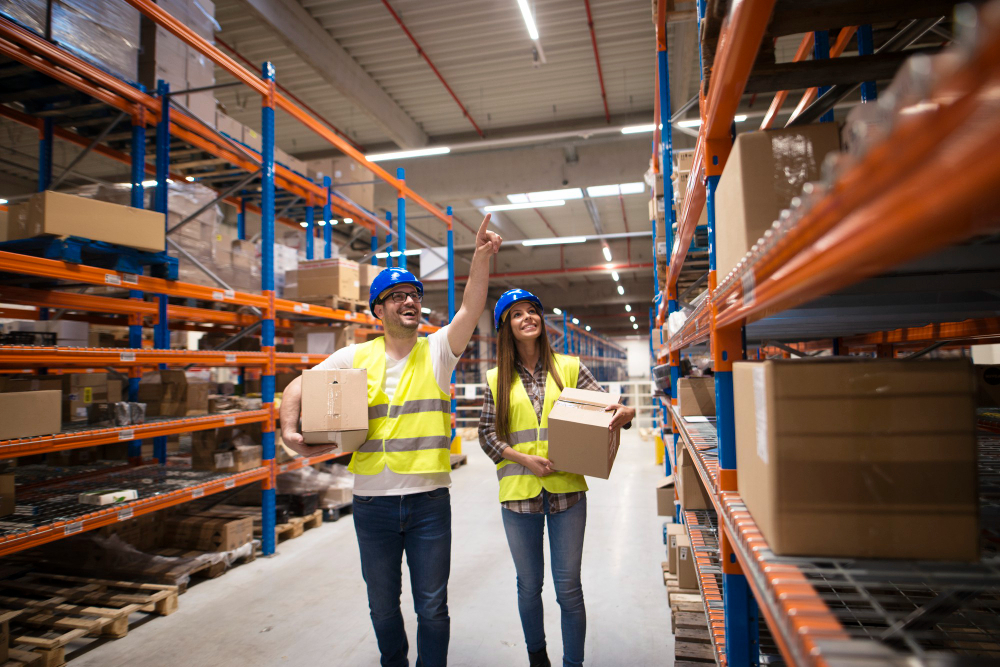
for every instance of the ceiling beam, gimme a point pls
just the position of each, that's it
(305, 37)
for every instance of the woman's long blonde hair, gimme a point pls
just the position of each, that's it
(507, 358)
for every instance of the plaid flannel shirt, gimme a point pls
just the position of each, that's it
(534, 384)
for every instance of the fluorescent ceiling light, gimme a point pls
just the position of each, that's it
(635, 326)
(587, 327)
(396, 253)
(614, 274)
(3, 201)
(304, 224)
(410, 253)
(189, 179)
(638, 129)
(420, 152)
(628, 308)
(545, 195)
(149, 184)
(512, 207)
(348, 221)
(554, 240)
(382, 255)
(696, 122)
(557, 311)
(631, 318)
(425, 311)
(518, 199)
(576, 321)
(616, 189)
(321, 223)
(607, 253)
(621, 290)
(529, 20)
(334, 221)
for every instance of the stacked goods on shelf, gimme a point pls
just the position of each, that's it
(665, 496)
(690, 489)
(342, 171)
(28, 413)
(860, 458)
(174, 393)
(696, 396)
(366, 274)
(323, 280)
(229, 449)
(323, 340)
(103, 32)
(165, 57)
(7, 494)
(251, 138)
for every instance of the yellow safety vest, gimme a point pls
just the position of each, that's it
(411, 434)
(527, 436)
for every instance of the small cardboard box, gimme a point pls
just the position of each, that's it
(579, 439)
(174, 395)
(665, 496)
(65, 215)
(674, 530)
(108, 496)
(205, 533)
(687, 575)
(852, 458)
(684, 160)
(81, 390)
(229, 126)
(335, 407)
(366, 274)
(690, 489)
(321, 278)
(206, 455)
(28, 413)
(335, 496)
(7, 496)
(696, 396)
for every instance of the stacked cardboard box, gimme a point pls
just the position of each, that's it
(690, 489)
(696, 396)
(323, 340)
(229, 449)
(345, 170)
(207, 533)
(81, 390)
(28, 413)
(323, 278)
(170, 393)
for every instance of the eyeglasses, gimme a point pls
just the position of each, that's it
(401, 297)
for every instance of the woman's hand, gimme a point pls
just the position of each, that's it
(623, 415)
(539, 465)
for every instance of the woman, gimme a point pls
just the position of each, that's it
(512, 431)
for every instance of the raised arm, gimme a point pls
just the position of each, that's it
(474, 297)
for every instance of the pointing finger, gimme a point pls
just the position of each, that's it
(486, 222)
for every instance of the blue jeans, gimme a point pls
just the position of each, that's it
(525, 536)
(420, 525)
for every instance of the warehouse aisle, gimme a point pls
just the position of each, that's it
(308, 606)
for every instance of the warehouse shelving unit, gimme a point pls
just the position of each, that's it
(205, 308)
(928, 186)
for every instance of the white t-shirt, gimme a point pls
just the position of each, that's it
(387, 482)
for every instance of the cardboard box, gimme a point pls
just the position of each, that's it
(335, 407)
(765, 170)
(81, 390)
(108, 496)
(696, 396)
(27, 413)
(252, 138)
(223, 456)
(683, 160)
(674, 530)
(859, 458)
(988, 386)
(579, 439)
(65, 215)
(174, 395)
(37, 383)
(229, 126)
(690, 489)
(323, 340)
(366, 274)
(205, 533)
(345, 170)
(687, 575)
(321, 278)
(7, 495)
(335, 496)
(665, 496)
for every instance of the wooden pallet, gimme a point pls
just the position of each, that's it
(458, 460)
(336, 302)
(206, 570)
(297, 525)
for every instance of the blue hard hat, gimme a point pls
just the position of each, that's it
(390, 278)
(508, 299)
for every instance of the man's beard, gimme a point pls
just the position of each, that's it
(395, 327)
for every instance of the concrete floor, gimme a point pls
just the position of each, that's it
(307, 606)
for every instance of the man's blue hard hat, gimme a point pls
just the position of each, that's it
(508, 299)
(390, 278)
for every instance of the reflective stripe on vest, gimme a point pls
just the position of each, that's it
(517, 482)
(412, 434)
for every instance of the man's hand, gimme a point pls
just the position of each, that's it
(486, 241)
(623, 415)
(295, 442)
(539, 465)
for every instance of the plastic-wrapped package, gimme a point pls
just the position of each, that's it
(137, 413)
(104, 32)
(28, 13)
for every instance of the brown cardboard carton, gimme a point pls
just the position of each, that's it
(665, 496)
(673, 531)
(7, 502)
(174, 395)
(366, 274)
(687, 575)
(765, 170)
(323, 340)
(36, 383)
(859, 458)
(27, 413)
(690, 489)
(988, 386)
(321, 278)
(335, 496)
(81, 390)
(696, 396)
(343, 171)
(64, 215)
(208, 533)
(579, 439)
(229, 126)
(684, 160)
(335, 407)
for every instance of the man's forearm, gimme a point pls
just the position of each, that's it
(478, 283)
(291, 405)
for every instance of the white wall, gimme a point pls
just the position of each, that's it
(639, 360)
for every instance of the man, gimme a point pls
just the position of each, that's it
(402, 473)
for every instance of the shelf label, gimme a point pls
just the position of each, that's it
(305, 461)
(197, 493)
(301, 308)
(125, 514)
(229, 483)
(304, 358)
(74, 528)
(112, 279)
(229, 421)
(749, 281)
(283, 467)
(230, 294)
(127, 356)
(127, 434)
(218, 296)
(230, 358)
(130, 278)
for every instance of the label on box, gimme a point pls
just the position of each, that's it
(125, 514)
(112, 279)
(130, 278)
(127, 356)
(230, 420)
(88, 394)
(230, 358)
(682, 554)
(74, 528)
(127, 434)
(229, 483)
(673, 541)
(224, 460)
(198, 493)
(760, 410)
